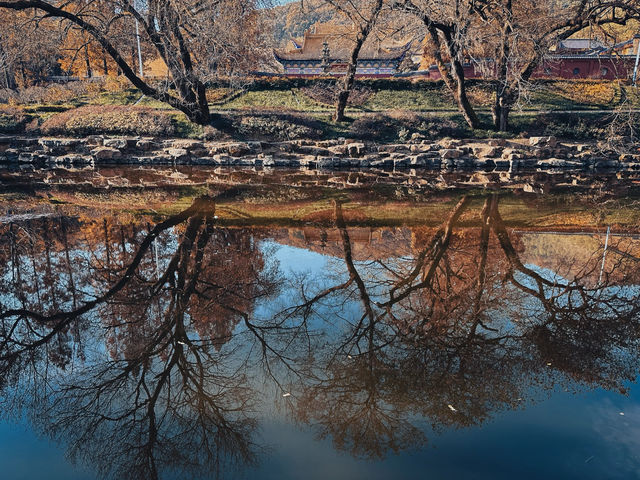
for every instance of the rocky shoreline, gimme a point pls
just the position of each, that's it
(542, 153)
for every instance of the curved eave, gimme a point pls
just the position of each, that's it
(590, 57)
(278, 56)
(341, 60)
(394, 55)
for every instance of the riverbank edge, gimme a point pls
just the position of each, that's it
(543, 153)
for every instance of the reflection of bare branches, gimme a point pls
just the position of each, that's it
(60, 320)
(445, 336)
(433, 254)
(162, 401)
(461, 329)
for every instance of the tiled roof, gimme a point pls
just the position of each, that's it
(341, 39)
(579, 44)
(592, 47)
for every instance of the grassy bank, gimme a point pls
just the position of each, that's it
(384, 110)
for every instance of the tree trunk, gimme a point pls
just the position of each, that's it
(134, 62)
(9, 81)
(464, 105)
(504, 95)
(8, 78)
(500, 113)
(347, 84)
(350, 76)
(23, 74)
(454, 77)
(194, 95)
(349, 79)
(87, 61)
(508, 91)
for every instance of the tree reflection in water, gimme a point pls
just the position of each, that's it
(164, 397)
(144, 350)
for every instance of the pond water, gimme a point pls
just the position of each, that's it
(261, 325)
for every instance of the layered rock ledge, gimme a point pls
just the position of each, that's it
(543, 153)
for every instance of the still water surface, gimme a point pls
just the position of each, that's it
(481, 334)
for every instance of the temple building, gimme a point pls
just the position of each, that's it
(572, 59)
(325, 51)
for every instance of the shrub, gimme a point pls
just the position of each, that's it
(210, 133)
(219, 95)
(110, 119)
(565, 126)
(400, 125)
(279, 127)
(374, 84)
(7, 96)
(622, 129)
(327, 94)
(12, 120)
(58, 93)
(480, 94)
(54, 93)
(576, 130)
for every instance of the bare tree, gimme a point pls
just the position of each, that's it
(524, 31)
(7, 77)
(28, 52)
(447, 25)
(180, 32)
(364, 15)
(514, 36)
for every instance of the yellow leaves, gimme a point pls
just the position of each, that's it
(156, 68)
(595, 92)
(116, 84)
(82, 56)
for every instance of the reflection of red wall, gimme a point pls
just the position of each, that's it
(566, 68)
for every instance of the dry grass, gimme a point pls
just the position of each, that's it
(110, 119)
(588, 92)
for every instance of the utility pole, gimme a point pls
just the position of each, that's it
(140, 51)
(604, 254)
(635, 69)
